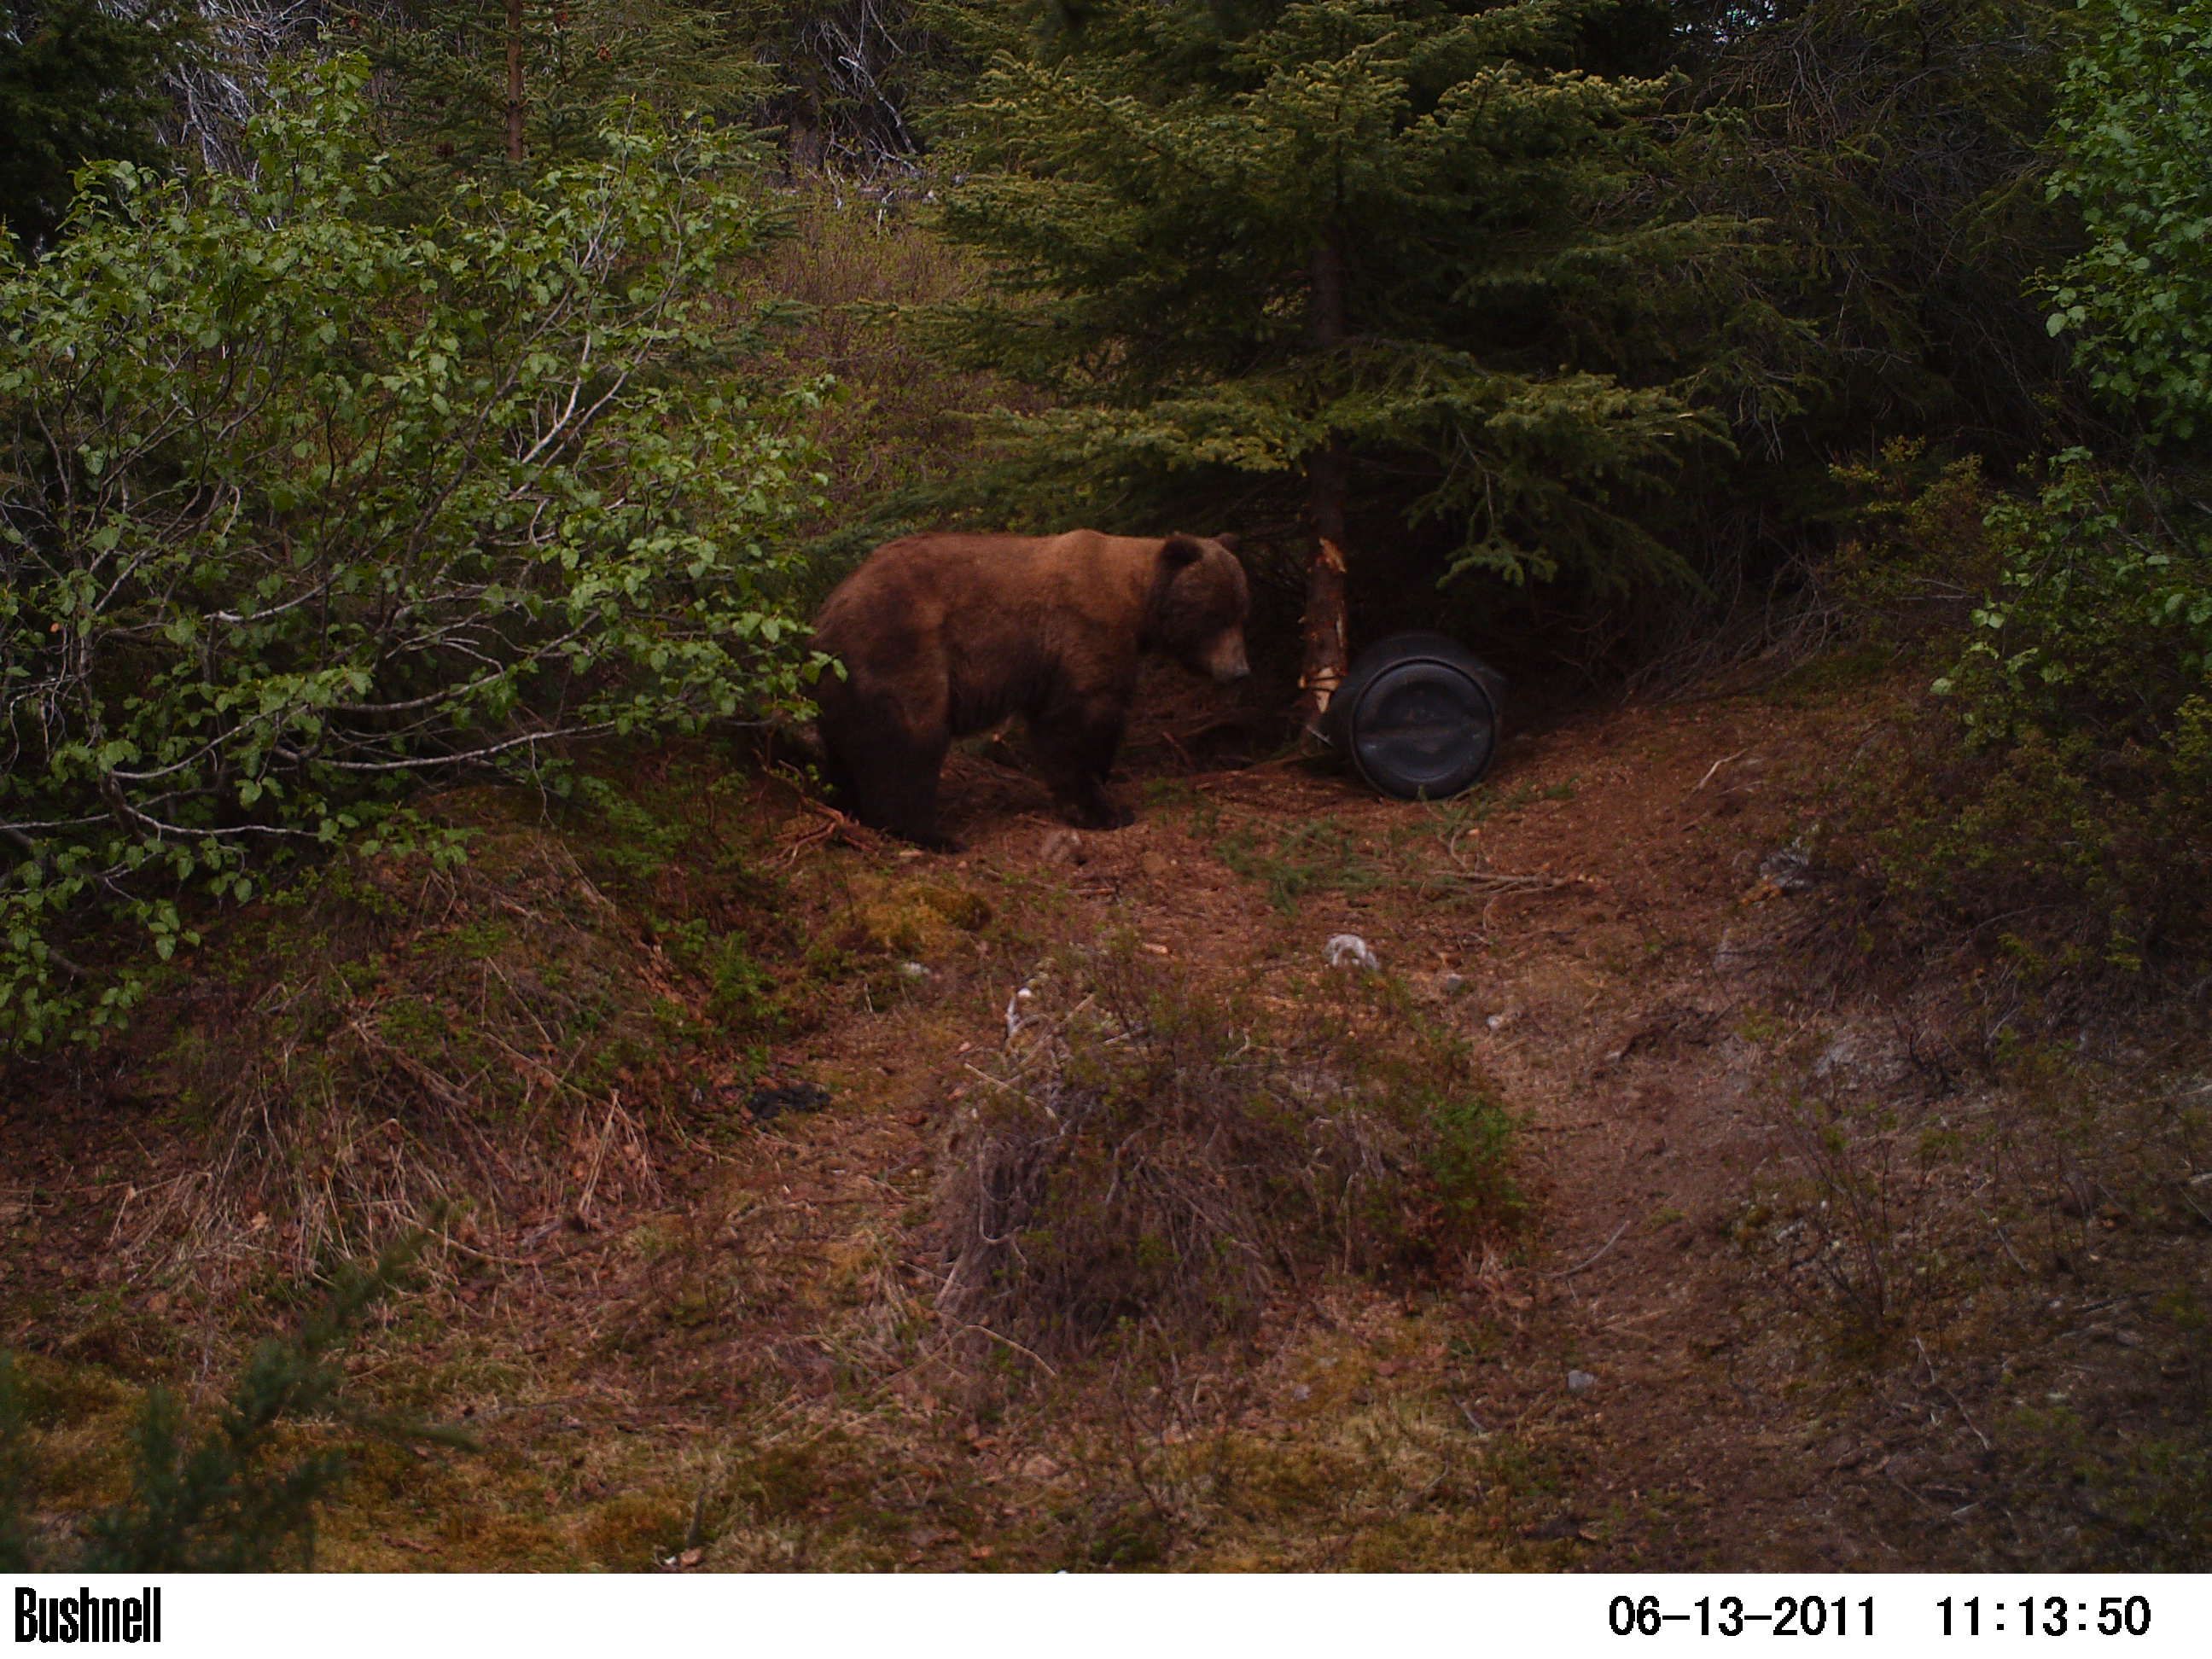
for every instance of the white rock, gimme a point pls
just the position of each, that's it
(1349, 949)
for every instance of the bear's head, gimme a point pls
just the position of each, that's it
(1198, 603)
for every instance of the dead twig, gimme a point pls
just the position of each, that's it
(1717, 766)
(996, 1336)
(1591, 1261)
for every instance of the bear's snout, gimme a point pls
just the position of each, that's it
(1227, 664)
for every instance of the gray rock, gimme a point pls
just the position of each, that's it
(1789, 868)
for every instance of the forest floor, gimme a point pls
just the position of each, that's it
(1822, 1264)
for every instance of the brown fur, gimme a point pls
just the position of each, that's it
(945, 635)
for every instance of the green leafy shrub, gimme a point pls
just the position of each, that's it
(304, 505)
(2079, 804)
(2133, 128)
(2074, 817)
(2080, 809)
(2101, 622)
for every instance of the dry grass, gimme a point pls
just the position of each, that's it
(1147, 1160)
(2007, 1252)
(519, 1037)
(470, 1051)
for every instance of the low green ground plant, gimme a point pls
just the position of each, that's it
(228, 1491)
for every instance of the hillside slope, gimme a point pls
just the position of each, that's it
(1813, 1270)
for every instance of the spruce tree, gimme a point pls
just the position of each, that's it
(1369, 250)
(489, 85)
(225, 1495)
(79, 81)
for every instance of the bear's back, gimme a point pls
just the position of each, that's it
(990, 594)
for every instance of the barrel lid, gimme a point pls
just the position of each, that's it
(1418, 716)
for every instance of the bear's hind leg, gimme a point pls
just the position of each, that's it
(837, 777)
(908, 809)
(894, 787)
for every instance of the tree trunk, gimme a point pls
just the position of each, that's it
(1328, 476)
(1326, 650)
(514, 80)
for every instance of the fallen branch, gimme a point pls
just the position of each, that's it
(1504, 881)
(834, 826)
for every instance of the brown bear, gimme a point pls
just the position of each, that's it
(945, 635)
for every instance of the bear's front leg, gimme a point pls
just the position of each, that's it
(1092, 808)
(1075, 742)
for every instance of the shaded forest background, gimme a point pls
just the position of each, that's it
(1627, 337)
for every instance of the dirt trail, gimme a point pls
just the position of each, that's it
(1602, 985)
(1718, 1348)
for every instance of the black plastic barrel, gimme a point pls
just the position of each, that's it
(1417, 716)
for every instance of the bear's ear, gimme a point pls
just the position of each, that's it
(1231, 540)
(1180, 550)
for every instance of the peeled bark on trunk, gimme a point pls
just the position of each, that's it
(514, 80)
(1328, 478)
(1326, 651)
